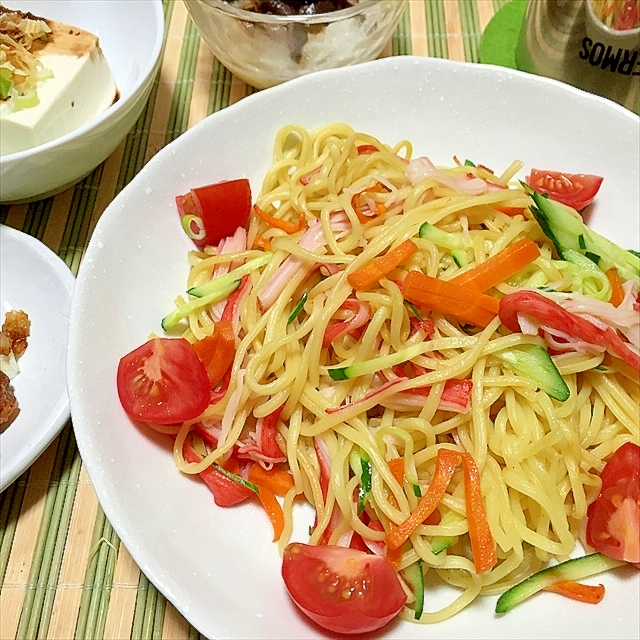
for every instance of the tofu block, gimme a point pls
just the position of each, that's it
(82, 87)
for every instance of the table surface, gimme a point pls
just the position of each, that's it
(64, 572)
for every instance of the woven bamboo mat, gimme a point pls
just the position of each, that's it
(64, 573)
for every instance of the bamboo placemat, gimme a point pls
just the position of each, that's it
(64, 573)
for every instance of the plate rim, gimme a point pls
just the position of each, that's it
(11, 470)
(108, 503)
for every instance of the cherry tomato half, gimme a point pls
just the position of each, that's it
(343, 590)
(576, 190)
(613, 519)
(163, 382)
(215, 211)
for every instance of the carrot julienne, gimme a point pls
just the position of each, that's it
(617, 292)
(578, 591)
(287, 227)
(445, 468)
(277, 480)
(499, 267)
(482, 544)
(274, 510)
(450, 298)
(381, 266)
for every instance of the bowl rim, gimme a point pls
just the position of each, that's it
(266, 18)
(114, 109)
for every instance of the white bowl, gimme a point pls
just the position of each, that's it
(131, 34)
(218, 566)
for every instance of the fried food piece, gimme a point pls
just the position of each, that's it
(8, 404)
(16, 329)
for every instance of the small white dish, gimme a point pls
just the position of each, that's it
(219, 566)
(131, 34)
(37, 281)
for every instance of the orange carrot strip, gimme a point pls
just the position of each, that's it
(217, 351)
(273, 509)
(450, 298)
(260, 242)
(498, 268)
(396, 466)
(482, 546)
(446, 465)
(577, 591)
(617, 292)
(287, 227)
(394, 556)
(356, 203)
(381, 266)
(277, 480)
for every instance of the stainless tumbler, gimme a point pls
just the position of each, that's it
(565, 40)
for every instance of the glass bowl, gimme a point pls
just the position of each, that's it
(265, 50)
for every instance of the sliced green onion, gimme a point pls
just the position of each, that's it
(296, 312)
(194, 227)
(468, 163)
(417, 492)
(26, 100)
(5, 82)
(232, 276)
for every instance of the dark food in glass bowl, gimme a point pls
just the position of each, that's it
(292, 7)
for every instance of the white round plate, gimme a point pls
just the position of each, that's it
(37, 281)
(219, 566)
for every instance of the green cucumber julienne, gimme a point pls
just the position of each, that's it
(235, 274)
(533, 361)
(376, 364)
(568, 232)
(414, 577)
(574, 569)
(451, 241)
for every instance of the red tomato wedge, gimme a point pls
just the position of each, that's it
(163, 382)
(214, 212)
(613, 519)
(342, 590)
(576, 190)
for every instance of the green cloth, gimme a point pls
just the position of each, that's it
(500, 38)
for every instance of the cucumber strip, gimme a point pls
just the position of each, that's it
(376, 364)
(451, 241)
(460, 258)
(533, 361)
(414, 577)
(298, 308)
(566, 231)
(184, 310)
(365, 481)
(440, 543)
(575, 569)
(235, 478)
(417, 491)
(236, 274)
(414, 309)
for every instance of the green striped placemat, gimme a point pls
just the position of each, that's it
(63, 571)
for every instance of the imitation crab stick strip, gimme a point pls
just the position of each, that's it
(450, 298)
(277, 480)
(499, 267)
(445, 468)
(482, 545)
(274, 510)
(381, 266)
(287, 227)
(617, 292)
(578, 591)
